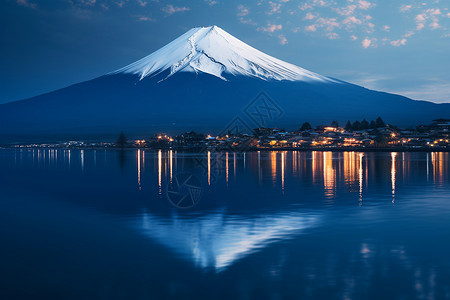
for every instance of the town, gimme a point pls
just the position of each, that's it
(363, 135)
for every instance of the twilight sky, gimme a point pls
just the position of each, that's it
(399, 46)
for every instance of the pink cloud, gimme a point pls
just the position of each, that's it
(351, 20)
(405, 8)
(271, 28)
(283, 39)
(332, 35)
(274, 7)
(170, 9)
(309, 16)
(398, 43)
(311, 28)
(366, 43)
(26, 3)
(365, 4)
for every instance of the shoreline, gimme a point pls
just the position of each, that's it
(202, 150)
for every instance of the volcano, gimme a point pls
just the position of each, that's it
(202, 81)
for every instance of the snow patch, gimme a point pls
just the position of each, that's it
(213, 51)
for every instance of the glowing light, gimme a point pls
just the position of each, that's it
(329, 175)
(160, 172)
(171, 164)
(283, 158)
(209, 167)
(273, 160)
(360, 176)
(330, 129)
(259, 168)
(226, 166)
(139, 168)
(393, 175)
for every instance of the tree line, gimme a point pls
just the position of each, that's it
(355, 126)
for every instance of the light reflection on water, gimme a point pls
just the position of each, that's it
(325, 224)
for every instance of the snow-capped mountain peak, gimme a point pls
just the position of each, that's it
(213, 51)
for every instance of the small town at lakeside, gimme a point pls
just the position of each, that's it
(375, 135)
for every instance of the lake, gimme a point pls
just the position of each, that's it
(144, 224)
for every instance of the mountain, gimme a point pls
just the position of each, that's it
(202, 81)
(213, 51)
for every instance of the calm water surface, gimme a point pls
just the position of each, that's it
(85, 224)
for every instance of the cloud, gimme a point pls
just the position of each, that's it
(26, 3)
(432, 15)
(305, 6)
(274, 7)
(309, 16)
(351, 20)
(145, 19)
(328, 23)
(170, 9)
(247, 21)
(142, 3)
(271, 28)
(120, 3)
(405, 8)
(366, 43)
(283, 39)
(211, 2)
(365, 5)
(311, 28)
(409, 34)
(435, 90)
(242, 11)
(332, 35)
(398, 43)
(90, 3)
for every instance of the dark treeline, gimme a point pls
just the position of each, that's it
(364, 124)
(355, 126)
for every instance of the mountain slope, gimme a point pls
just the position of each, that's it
(213, 51)
(180, 87)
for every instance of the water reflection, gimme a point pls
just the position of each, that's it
(171, 165)
(209, 167)
(328, 170)
(360, 178)
(289, 223)
(393, 175)
(283, 161)
(139, 168)
(217, 240)
(440, 166)
(329, 175)
(160, 172)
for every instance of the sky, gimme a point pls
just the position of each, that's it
(388, 45)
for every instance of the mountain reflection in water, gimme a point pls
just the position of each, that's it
(103, 224)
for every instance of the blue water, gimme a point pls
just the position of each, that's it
(135, 224)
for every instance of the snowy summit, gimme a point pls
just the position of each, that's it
(213, 51)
